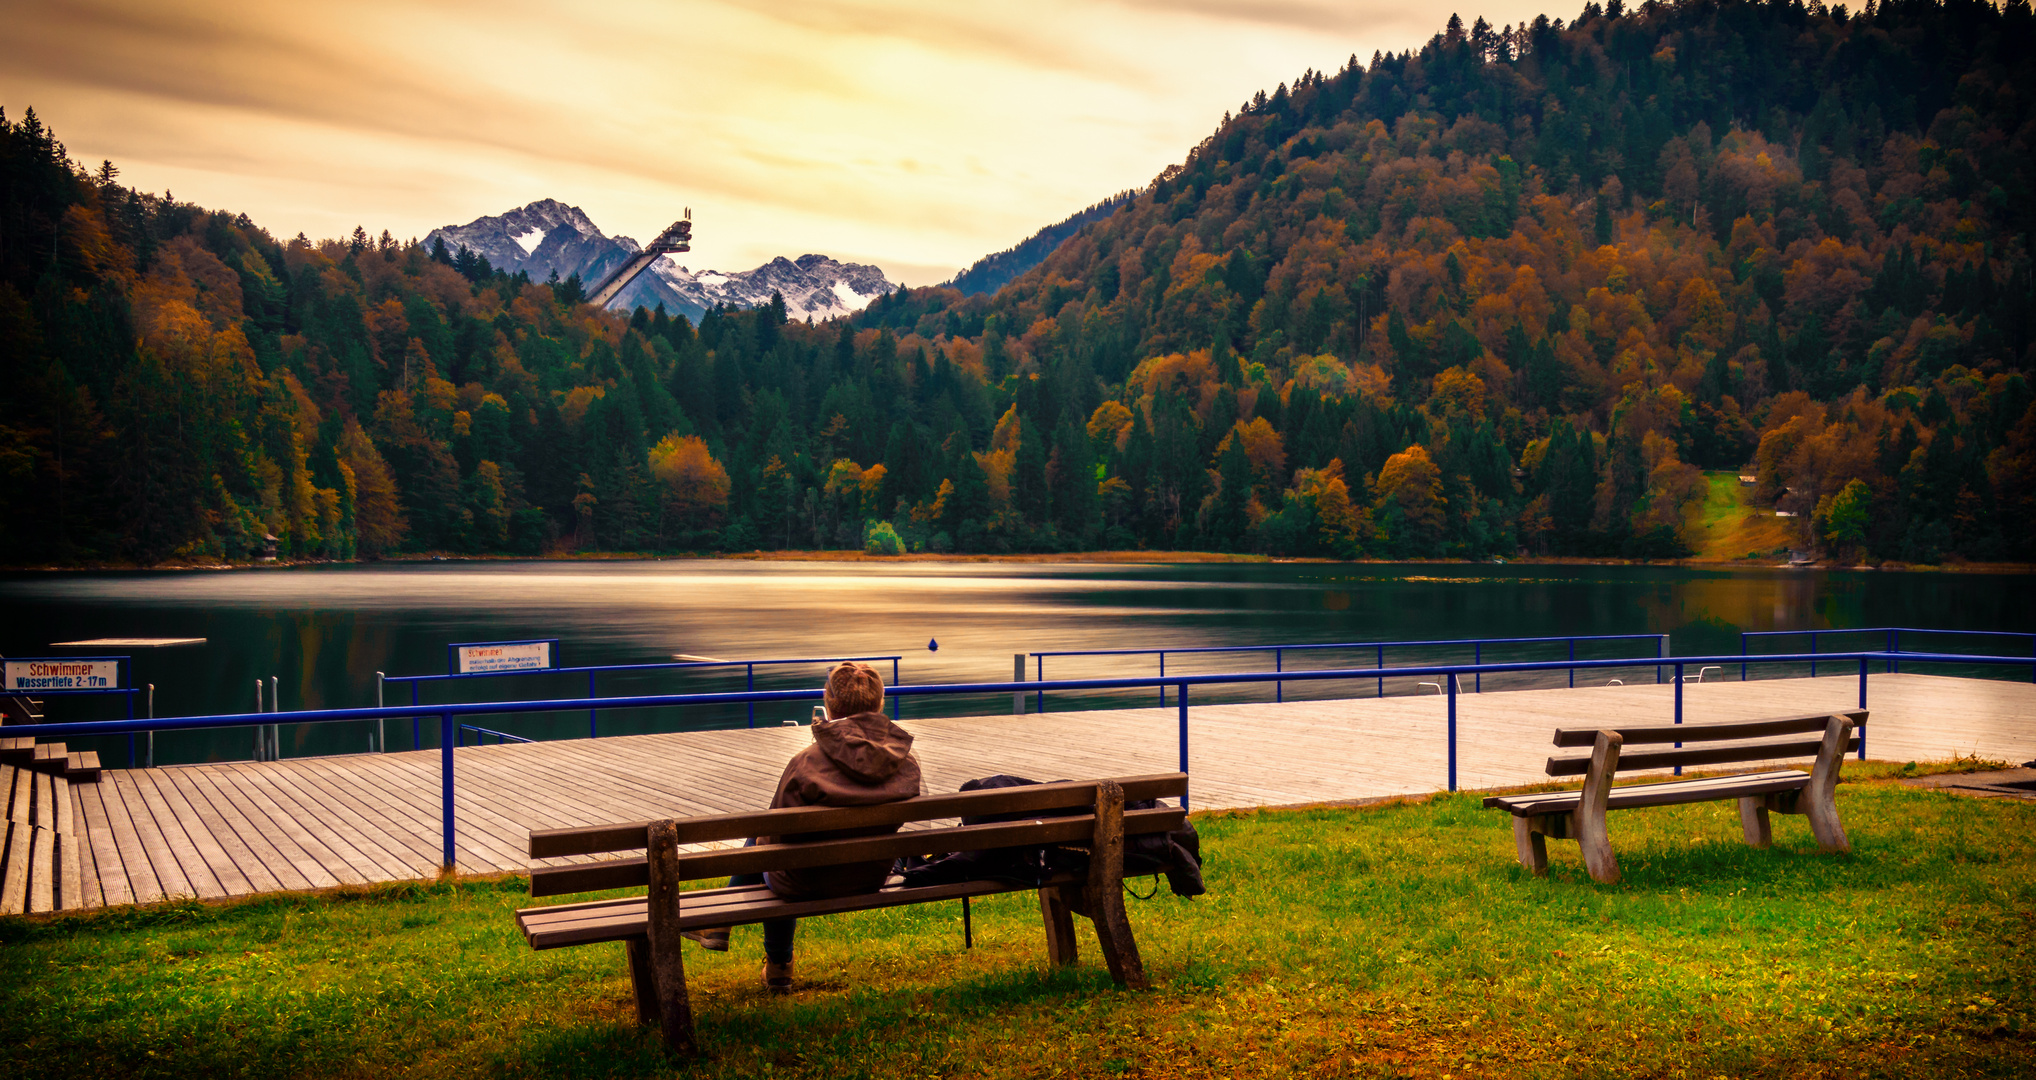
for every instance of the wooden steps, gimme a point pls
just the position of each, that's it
(83, 765)
(41, 864)
(17, 751)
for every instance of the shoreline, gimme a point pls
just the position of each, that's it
(1124, 558)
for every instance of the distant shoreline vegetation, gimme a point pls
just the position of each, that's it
(1511, 293)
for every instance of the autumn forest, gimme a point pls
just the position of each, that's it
(1516, 291)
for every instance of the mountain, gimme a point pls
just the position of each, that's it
(993, 272)
(548, 237)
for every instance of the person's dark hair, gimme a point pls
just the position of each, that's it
(854, 688)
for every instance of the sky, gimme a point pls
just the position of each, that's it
(918, 135)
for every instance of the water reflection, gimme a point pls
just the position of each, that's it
(325, 632)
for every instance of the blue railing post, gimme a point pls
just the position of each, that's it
(1659, 651)
(1183, 698)
(1862, 704)
(894, 681)
(1477, 656)
(593, 721)
(130, 737)
(1039, 697)
(1813, 654)
(1572, 663)
(1162, 674)
(1382, 667)
(1894, 636)
(1449, 682)
(1742, 656)
(749, 684)
(1279, 686)
(1678, 708)
(445, 743)
(416, 729)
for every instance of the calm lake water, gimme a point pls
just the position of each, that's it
(324, 632)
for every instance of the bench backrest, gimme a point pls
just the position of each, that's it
(1776, 731)
(813, 824)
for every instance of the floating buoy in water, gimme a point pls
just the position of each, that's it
(932, 645)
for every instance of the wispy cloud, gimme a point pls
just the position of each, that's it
(912, 132)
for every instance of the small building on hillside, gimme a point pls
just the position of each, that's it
(269, 547)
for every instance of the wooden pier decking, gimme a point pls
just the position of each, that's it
(238, 828)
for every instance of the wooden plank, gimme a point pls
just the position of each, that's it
(14, 868)
(806, 820)
(152, 841)
(239, 870)
(364, 816)
(70, 873)
(98, 855)
(144, 884)
(278, 850)
(21, 801)
(346, 850)
(199, 851)
(42, 871)
(1744, 729)
(1702, 755)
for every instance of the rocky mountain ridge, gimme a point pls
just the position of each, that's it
(549, 237)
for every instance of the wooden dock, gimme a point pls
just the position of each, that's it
(237, 828)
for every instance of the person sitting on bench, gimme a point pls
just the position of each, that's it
(858, 758)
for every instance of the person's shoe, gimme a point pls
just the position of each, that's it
(777, 978)
(712, 939)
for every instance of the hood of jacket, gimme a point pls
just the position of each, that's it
(854, 761)
(865, 747)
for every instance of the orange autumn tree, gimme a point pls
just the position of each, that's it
(695, 486)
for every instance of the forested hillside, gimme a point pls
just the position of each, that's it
(1511, 291)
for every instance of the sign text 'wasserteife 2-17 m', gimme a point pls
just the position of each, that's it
(63, 674)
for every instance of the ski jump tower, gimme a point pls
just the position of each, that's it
(673, 240)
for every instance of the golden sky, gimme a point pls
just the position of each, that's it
(915, 135)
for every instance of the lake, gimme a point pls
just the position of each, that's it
(324, 632)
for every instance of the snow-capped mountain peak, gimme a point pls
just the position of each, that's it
(549, 237)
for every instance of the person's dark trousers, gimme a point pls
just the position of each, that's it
(777, 932)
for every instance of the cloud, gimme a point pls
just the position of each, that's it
(917, 134)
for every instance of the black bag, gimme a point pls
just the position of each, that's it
(1177, 854)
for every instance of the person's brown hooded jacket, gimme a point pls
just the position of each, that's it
(859, 760)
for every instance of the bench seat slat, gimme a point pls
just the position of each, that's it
(1668, 794)
(1703, 755)
(805, 820)
(623, 919)
(628, 873)
(1747, 729)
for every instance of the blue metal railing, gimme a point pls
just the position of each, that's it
(1279, 655)
(481, 734)
(1892, 639)
(447, 714)
(593, 720)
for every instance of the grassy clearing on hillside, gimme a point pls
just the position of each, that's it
(1733, 528)
(1399, 940)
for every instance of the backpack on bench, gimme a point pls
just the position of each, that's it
(1177, 854)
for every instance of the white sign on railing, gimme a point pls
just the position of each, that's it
(63, 675)
(518, 656)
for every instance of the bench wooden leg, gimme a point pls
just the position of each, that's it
(1819, 799)
(1532, 845)
(1060, 926)
(1753, 821)
(643, 980)
(667, 963)
(1589, 817)
(1105, 891)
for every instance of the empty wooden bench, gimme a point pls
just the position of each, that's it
(1580, 815)
(649, 926)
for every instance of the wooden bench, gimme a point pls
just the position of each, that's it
(649, 926)
(1580, 815)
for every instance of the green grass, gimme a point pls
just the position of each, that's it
(1400, 940)
(1731, 527)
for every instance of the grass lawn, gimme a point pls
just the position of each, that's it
(1400, 940)
(1733, 528)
